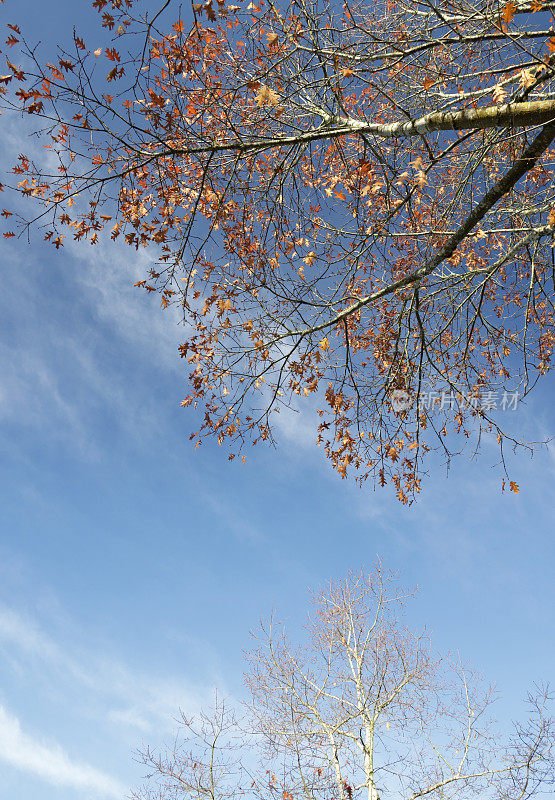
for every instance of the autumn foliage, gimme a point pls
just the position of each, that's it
(351, 204)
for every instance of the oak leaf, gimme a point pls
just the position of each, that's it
(499, 94)
(527, 78)
(508, 12)
(309, 258)
(266, 96)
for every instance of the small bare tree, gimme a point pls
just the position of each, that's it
(361, 709)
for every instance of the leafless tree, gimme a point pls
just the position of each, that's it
(360, 708)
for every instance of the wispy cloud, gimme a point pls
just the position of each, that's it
(85, 333)
(119, 694)
(105, 273)
(50, 762)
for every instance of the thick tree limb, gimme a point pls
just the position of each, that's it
(536, 112)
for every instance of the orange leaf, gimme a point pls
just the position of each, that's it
(266, 96)
(508, 12)
(499, 94)
(309, 258)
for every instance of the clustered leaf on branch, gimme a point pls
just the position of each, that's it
(351, 203)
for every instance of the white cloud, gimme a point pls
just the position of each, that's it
(298, 426)
(58, 375)
(130, 717)
(114, 692)
(50, 762)
(64, 381)
(105, 272)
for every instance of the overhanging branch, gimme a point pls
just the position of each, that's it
(522, 165)
(536, 112)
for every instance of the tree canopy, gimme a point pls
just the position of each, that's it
(358, 708)
(352, 203)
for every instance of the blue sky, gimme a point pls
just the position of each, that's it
(132, 568)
